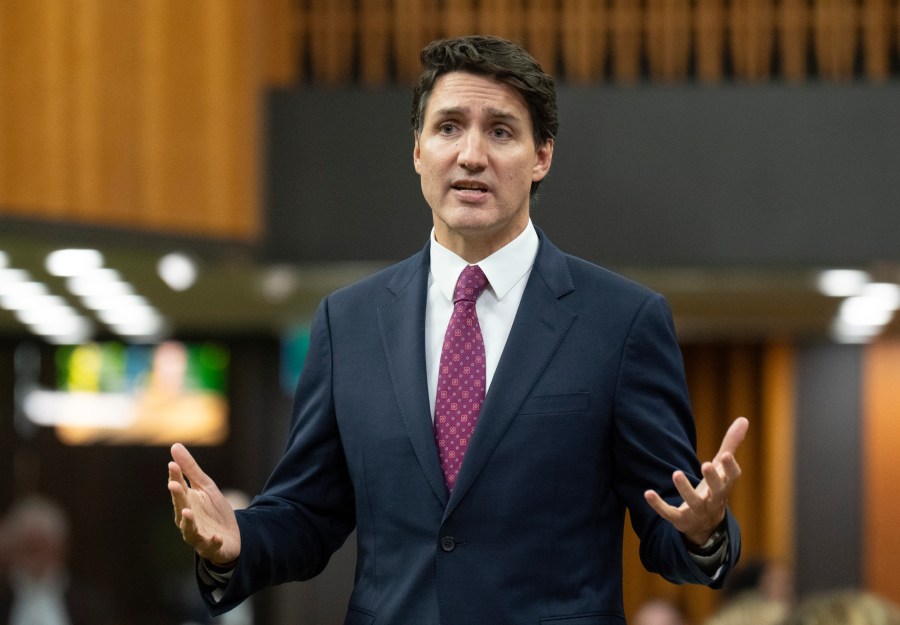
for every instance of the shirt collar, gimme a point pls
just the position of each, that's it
(503, 269)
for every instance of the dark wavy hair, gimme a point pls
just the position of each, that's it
(497, 58)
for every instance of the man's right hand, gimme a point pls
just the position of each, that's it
(202, 513)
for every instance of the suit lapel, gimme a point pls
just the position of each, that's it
(402, 324)
(540, 325)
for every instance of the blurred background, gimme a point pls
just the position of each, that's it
(182, 182)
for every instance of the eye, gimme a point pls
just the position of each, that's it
(446, 128)
(500, 132)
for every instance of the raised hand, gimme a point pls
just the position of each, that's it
(202, 513)
(703, 507)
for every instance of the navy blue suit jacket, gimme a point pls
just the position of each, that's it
(588, 408)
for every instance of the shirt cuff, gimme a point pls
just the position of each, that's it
(216, 578)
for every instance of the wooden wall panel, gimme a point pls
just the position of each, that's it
(626, 29)
(414, 27)
(792, 32)
(835, 27)
(668, 39)
(776, 433)
(541, 30)
(881, 469)
(752, 33)
(457, 18)
(727, 381)
(584, 30)
(876, 40)
(709, 39)
(137, 114)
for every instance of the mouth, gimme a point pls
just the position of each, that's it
(469, 187)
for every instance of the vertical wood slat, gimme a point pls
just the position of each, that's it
(775, 431)
(835, 24)
(751, 26)
(30, 146)
(625, 33)
(743, 394)
(284, 34)
(708, 384)
(541, 32)
(584, 26)
(332, 33)
(374, 42)
(107, 92)
(876, 39)
(138, 114)
(709, 39)
(668, 38)
(458, 18)
(502, 18)
(232, 65)
(881, 468)
(793, 38)
(414, 27)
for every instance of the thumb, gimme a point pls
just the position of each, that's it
(189, 466)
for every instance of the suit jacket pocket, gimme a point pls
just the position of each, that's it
(590, 618)
(355, 616)
(556, 404)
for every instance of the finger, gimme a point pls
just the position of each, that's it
(179, 501)
(731, 468)
(715, 481)
(660, 505)
(690, 495)
(734, 436)
(189, 466)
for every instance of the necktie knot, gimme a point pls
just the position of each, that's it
(471, 283)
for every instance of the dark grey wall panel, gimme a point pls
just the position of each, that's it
(828, 468)
(729, 175)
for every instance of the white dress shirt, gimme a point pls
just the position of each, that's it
(507, 272)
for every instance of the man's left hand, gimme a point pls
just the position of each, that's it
(703, 507)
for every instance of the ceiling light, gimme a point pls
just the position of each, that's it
(65, 330)
(72, 262)
(10, 277)
(177, 270)
(20, 295)
(842, 282)
(864, 311)
(843, 332)
(97, 282)
(885, 294)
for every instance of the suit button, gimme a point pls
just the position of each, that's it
(448, 544)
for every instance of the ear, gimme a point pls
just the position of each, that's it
(416, 152)
(543, 158)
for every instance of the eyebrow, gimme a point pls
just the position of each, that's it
(494, 113)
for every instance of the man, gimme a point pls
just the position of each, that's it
(40, 589)
(485, 449)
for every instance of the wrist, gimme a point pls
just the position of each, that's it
(709, 546)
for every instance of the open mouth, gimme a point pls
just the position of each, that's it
(469, 187)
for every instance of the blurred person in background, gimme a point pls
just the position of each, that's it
(845, 607)
(763, 577)
(38, 587)
(749, 609)
(658, 612)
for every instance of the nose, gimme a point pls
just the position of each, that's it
(472, 151)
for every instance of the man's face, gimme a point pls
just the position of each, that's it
(477, 159)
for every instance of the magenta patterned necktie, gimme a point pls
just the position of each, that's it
(461, 377)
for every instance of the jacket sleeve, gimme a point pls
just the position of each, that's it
(655, 436)
(306, 510)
